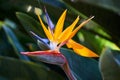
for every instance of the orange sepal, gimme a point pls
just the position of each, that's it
(59, 25)
(47, 32)
(66, 33)
(78, 28)
(80, 49)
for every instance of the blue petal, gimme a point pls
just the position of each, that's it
(49, 21)
(45, 41)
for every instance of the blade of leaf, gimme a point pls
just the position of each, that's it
(5, 47)
(96, 42)
(112, 5)
(30, 24)
(110, 64)
(14, 42)
(83, 68)
(25, 70)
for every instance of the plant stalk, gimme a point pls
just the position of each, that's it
(68, 72)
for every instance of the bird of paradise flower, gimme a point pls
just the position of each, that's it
(58, 37)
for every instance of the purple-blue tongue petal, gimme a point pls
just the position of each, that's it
(42, 43)
(39, 38)
(49, 21)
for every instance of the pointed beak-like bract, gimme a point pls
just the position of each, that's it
(52, 57)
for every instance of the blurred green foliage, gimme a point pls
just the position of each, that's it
(100, 35)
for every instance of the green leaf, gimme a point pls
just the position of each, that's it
(95, 42)
(14, 42)
(108, 4)
(30, 24)
(5, 47)
(83, 68)
(13, 69)
(110, 64)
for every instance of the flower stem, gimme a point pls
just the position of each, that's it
(68, 72)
